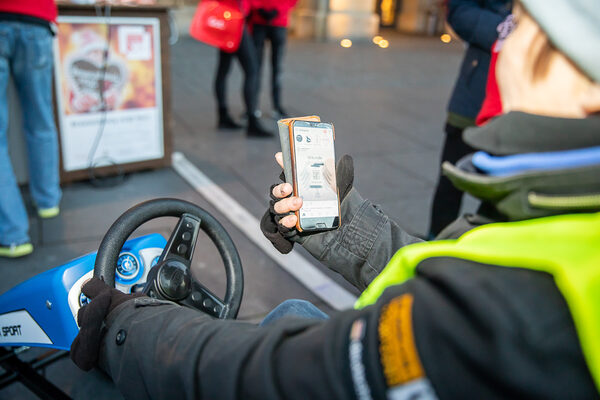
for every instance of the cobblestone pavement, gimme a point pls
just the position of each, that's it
(388, 109)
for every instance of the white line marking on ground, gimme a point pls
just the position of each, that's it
(294, 263)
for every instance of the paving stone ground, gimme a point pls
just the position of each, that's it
(387, 106)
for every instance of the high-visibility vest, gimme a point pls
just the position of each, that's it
(565, 246)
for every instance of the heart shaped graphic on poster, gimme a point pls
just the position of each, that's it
(87, 76)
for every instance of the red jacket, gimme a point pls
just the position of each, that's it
(492, 104)
(283, 8)
(243, 5)
(44, 9)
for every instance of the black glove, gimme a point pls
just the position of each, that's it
(268, 14)
(86, 346)
(280, 235)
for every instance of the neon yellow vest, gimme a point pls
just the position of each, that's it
(566, 246)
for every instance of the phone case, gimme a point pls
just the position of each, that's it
(286, 136)
(285, 126)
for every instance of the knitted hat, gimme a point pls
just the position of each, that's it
(573, 27)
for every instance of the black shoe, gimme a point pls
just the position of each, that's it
(226, 122)
(256, 129)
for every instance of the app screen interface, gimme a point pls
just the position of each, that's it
(315, 172)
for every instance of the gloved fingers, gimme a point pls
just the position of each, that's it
(94, 287)
(85, 348)
(270, 230)
(280, 243)
(94, 312)
(286, 223)
(272, 207)
(287, 205)
(345, 175)
(267, 223)
(271, 191)
(276, 217)
(281, 191)
(345, 166)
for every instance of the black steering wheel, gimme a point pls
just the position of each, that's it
(171, 279)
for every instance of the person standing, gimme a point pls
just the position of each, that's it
(26, 30)
(476, 22)
(246, 55)
(270, 19)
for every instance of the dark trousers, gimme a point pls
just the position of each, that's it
(277, 35)
(447, 199)
(246, 54)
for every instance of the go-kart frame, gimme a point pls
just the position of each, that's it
(42, 312)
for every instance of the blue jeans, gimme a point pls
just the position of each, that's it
(295, 308)
(26, 52)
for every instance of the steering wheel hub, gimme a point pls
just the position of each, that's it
(174, 280)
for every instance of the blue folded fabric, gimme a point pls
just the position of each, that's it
(509, 165)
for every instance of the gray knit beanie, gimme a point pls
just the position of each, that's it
(573, 27)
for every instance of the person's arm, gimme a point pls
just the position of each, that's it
(363, 245)
(358, 250)
(473, 23)
(458, 330)
(173, 352)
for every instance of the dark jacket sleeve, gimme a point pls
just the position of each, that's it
(457, 330)
(474, 23)
(172, 352)
(363, 245)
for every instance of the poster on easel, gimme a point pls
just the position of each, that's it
(108, 90)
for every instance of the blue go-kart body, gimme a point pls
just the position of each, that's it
(42, 311)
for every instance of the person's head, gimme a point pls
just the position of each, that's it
(549, 64)
(541, 157)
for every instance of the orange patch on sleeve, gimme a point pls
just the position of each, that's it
(397, 349)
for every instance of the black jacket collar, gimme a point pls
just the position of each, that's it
(533, 193)
(518, 132)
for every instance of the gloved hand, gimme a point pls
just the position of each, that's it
(268, 14)
(86, 346)
(278, 223)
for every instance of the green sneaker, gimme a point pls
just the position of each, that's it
(16, 250)
(48, 212)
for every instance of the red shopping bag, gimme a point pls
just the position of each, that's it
(218, 24)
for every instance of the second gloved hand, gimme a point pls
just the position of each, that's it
(278, 222)
(86, 346)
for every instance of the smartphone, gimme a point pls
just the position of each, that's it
(313, 169)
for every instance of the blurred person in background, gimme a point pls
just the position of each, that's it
(476, 22)
(246, 55)
(270, 19)
(26, 31)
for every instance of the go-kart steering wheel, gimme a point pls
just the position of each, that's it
(171, 278)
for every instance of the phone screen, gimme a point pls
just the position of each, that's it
(314, 163)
